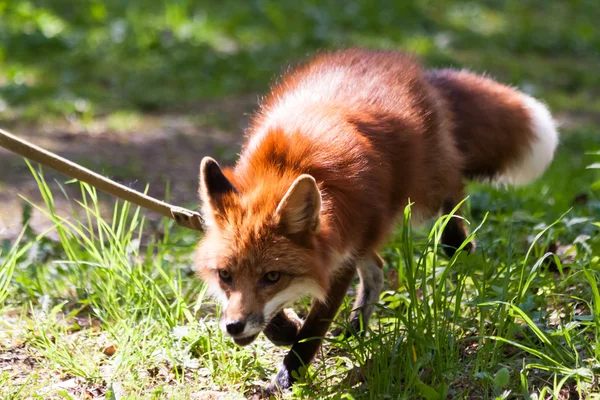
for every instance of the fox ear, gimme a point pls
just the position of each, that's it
(299, 209)
(214, 185)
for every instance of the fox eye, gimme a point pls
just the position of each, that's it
(272, 276)
(225, 275)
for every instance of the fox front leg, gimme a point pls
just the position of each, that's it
(283, 328)
(316, 325)
(370, 272)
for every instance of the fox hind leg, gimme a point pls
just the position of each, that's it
(455, 233)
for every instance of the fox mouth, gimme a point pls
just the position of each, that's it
(246, 340)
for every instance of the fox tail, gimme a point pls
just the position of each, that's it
(504, 135)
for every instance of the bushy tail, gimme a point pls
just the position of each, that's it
(504, 135)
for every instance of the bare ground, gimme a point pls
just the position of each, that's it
(157, 149)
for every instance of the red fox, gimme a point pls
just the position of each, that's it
(330, 161)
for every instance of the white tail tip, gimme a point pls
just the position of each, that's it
(541, 152)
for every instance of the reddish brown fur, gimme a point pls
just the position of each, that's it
(373, 130)
(361, 146)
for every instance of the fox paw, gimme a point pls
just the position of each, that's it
(281, 382)
(283, 328)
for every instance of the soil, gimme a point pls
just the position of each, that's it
(161, 150)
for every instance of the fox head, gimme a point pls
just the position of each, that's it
(261, 249)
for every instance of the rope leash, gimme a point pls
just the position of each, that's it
(182, 216)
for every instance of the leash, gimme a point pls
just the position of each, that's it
(182, 216)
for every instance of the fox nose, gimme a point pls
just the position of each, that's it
(235, 328)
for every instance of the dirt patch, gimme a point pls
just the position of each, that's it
(18, 363)
(158, 150)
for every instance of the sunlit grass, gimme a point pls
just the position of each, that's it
(100, 288)
(107, 309)
(92, 58)
(102, 304)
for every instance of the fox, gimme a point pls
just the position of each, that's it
(330, 159)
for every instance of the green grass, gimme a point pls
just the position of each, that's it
(107, 305)
(510, 321)
(86, 59)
